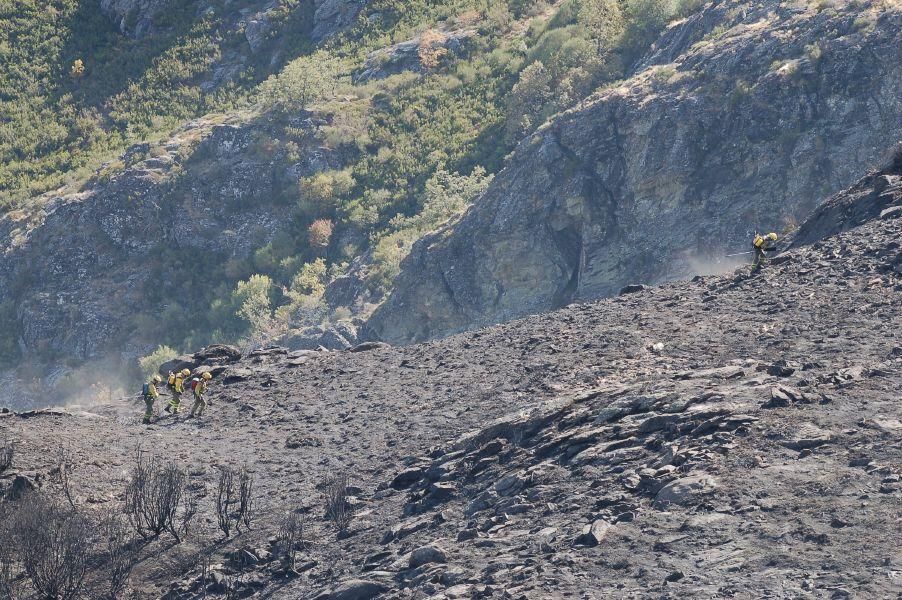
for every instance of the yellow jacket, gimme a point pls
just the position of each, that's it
(152, 391)
(179, 384)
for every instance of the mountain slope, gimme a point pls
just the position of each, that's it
(732, 433)
(744, 117)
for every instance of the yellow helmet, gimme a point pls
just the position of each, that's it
(772, 237)
(186, 372)
(207, 376)
(157, 379)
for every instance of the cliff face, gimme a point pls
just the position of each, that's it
(744, 116)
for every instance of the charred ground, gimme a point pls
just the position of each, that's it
(734, 436)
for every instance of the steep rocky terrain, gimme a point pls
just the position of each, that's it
(743, 117)
(740, 115)
(730, 436)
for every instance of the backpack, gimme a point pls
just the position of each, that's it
(145, 390)
(170, 381)
(194, 383)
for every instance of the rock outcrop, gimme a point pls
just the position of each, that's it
(134, 17)
(406, 56)
(332, 16)
(743, 117)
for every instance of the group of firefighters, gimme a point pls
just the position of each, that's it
(177, 383)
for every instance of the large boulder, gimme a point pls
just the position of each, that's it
(207, 358)
(355, 589)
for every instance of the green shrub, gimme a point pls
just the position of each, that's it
(150, 364)
(302, 82)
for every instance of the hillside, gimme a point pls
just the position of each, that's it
(701, 438)
(248, 171)
(742, 117)
(184, 173)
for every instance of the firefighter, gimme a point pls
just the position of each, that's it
(199, 388)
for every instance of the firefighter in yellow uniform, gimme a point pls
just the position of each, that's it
(199, 387)
(150, 395)
(762, 244)
(177, 388)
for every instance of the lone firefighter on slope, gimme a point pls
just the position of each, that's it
(199, 387)
(150, 394)
(762, 244)
(176, 383)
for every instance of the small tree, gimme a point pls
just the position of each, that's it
(319, 234)
(528, 100)
(7, 452)
(290, 538)
(120, 553)
(225, 498)
(7, 544)
(432, 49)
(153, 497)
(150, 364)
(64, 474)
(235, 502)
(246, 501)
(51, 541)
(337, 500)
(77, 69)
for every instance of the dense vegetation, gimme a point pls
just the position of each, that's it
(74, 91)
(423, 145)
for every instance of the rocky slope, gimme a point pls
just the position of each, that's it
(205, 197)
(138, 18)
(744, 117)
(698, 439)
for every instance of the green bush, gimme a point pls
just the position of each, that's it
(150, 364)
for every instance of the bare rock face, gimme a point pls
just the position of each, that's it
(133, 17)
(761, 111)
(331, 16)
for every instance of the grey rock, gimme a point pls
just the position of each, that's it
(405, 56)
(407, 478)
(134, 17)
(331, 339)
(632, 289)
(355, 589)
(686, 490)
(593, 534)
(425, 555)
(332, 16)
(369, 346)
(807, 436)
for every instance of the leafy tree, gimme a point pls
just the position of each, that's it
(320, 233)
(302, 82)
(528, 100)
(253, 302)
(150, 364)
